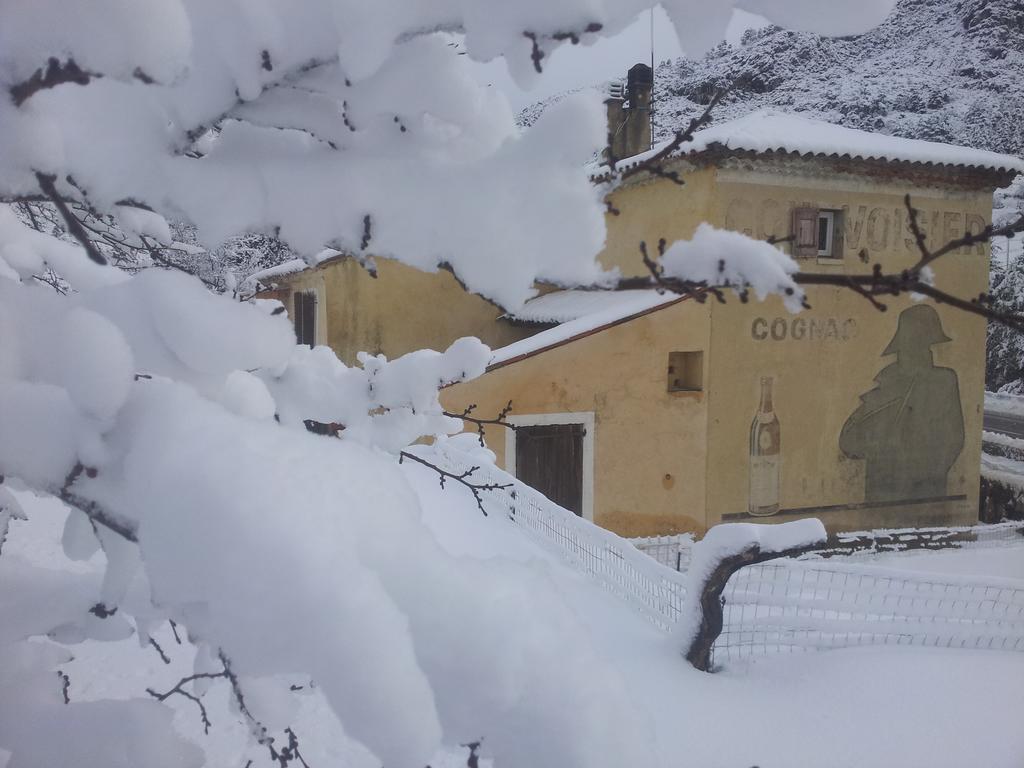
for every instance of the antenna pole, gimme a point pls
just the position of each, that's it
(650, 111)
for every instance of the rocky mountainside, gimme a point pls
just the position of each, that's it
(941, 70)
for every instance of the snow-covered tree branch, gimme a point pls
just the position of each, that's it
(172, 420)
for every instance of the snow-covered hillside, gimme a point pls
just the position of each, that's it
(942, 70)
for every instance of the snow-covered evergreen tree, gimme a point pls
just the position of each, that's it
(1004, 367)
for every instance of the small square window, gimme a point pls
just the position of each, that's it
(685, 371)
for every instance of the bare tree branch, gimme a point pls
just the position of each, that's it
(179, 689)
(163, 656)
(74, 226)
(94, 511)
(870, 286)
(65, 685)
(284, 756)
(653, 164)
(537, 53)
(498, 420)
(462, 478)
(969, 238)
(55, 73)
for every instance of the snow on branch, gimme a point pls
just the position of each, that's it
(126, 529)
(537, 53)
(234, 127)
(172, 421)
(56, 73)
(714, 260)
(919, 279)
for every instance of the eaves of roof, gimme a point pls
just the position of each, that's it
(560, 340)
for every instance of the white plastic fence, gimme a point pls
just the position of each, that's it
(654, 590)
(800, 605)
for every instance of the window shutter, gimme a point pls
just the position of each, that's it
(805, 232)
(298, 300)
(838, 235)
(309, 320)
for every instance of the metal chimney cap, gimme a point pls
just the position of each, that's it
(640, 74)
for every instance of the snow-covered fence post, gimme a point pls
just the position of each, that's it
(723, 551)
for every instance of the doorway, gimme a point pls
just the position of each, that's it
(553, 453)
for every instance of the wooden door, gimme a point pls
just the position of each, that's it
(549, 457)
(304, 316)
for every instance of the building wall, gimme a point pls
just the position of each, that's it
(668, 462)
(651, 447)
(652, 210)
(310, 281)
(401, 310)
(649, 461)
(823, 360)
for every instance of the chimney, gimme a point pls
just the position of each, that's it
(629, 114)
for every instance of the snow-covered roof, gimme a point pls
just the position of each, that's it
(279, 270)
(290, 267)
(770, 131)
(562, 306)
(615, 311)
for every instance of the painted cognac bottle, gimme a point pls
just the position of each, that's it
(765, 458)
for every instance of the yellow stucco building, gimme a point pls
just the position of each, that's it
(651, 414)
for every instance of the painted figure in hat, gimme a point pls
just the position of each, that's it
(909, 429)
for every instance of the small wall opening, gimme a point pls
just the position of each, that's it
(685, 371)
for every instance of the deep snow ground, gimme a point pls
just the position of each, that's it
(858, 707)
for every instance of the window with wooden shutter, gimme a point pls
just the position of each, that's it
(304, 317)
(805, 232)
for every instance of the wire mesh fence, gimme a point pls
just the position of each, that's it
(864, 544)
(791, 605)
(654, 590)
(675, 551)
(671, 551)
(786, 605)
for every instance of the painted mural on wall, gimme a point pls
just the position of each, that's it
(909, 429)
